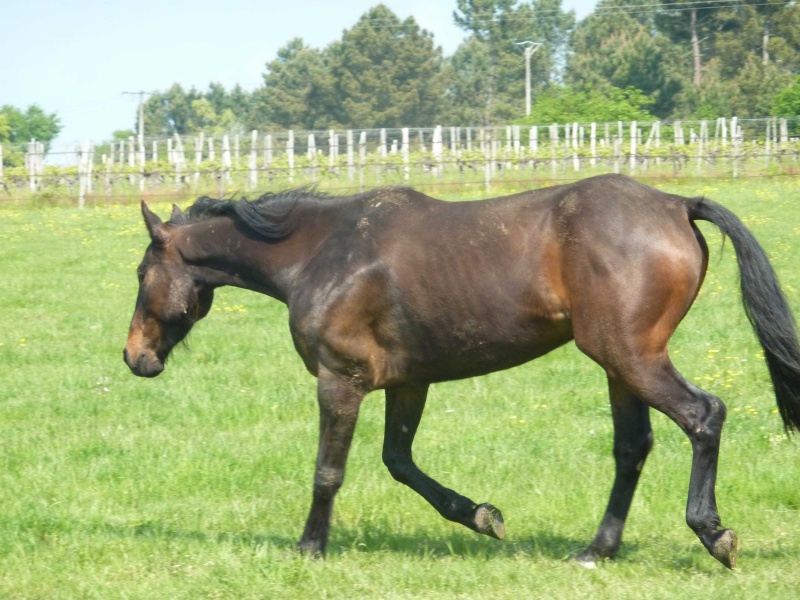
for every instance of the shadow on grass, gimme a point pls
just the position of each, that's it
(456, 543)
(542, 545)
(159, 530)
(343, 540)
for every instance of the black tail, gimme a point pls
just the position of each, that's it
(766, 307)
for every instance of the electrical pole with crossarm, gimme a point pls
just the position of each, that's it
(141, 109)
(530, 48)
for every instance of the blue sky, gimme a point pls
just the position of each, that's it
(76, 57)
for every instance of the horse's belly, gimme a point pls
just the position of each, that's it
(467, 354)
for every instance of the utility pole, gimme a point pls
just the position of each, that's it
(141, 109)
(530, 48)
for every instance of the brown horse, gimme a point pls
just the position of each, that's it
(394, 290)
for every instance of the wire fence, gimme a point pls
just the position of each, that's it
(424, 157)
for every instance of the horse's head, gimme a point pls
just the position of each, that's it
(169, 303)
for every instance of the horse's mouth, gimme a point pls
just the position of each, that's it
(143, 366)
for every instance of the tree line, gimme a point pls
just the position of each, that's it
(627, 60)
(668, 59)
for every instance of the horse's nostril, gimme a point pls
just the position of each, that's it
(125, 355)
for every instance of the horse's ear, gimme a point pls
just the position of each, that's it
(155, 226)
(176, 213)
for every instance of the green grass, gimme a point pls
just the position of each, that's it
(196, 484)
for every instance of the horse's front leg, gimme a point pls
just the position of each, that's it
(339, 401)
(404, 408)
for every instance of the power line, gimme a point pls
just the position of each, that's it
(552, 14)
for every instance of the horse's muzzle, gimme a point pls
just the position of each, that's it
(144, 365)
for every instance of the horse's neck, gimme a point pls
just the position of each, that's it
(228, 255)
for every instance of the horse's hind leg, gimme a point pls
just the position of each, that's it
(404, 408)
(701, 416)
(633, 439)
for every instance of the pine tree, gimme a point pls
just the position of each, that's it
(618, 46)
(386, 72)
(298, 90)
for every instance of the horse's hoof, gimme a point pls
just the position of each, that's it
(726, 548)
(489, 521)
(587, 558)
(310, 548)
(586, 564)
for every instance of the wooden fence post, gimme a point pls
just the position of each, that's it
(350, 155)
(267, 151)
(226, 158)
(634, 139)
(487, 174)
(179, 161)
(141, 162)
(312, 155)
(362, 157)
(404, 152)
(382, 144)
(29, 165)
(252, 160)
(290, 154)
(131, 159)
(701, 145)
(515, 133)
(91, 163)
(724, 132)
(735, 144)
(199, 142)
(576, 161)
(767, 149)
(438, 149)
(331, 155)
(83, 174)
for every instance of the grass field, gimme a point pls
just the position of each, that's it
(196, 484)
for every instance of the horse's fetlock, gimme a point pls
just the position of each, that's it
(702, 522)
(458, 509)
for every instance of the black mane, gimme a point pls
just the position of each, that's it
(273, 216)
